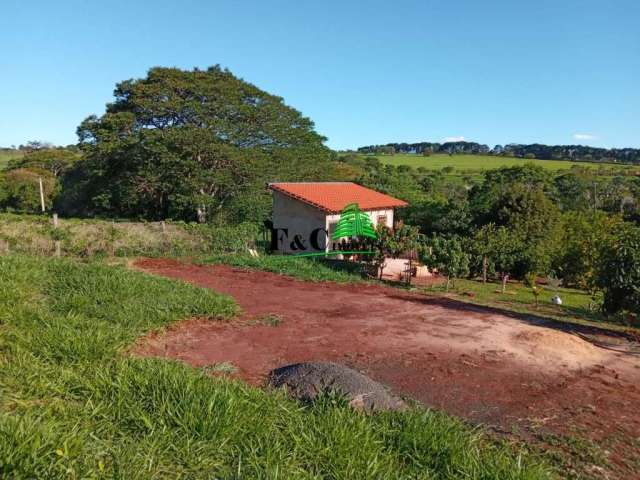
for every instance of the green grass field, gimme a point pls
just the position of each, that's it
(6, 156)
(479, 162)
(577, 307)
(75, 404)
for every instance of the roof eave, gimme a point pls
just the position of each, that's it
(273, 186)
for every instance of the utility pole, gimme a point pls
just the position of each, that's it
(41, 193)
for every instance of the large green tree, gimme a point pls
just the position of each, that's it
(190, 144)
(496, 185)
(583, 236)
(54, 160)
(504, 250)
(532, 220)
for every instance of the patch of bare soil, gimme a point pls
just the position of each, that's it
(516, 374)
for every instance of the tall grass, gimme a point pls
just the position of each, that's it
(35, 235)
(311, 269)
(73, 404)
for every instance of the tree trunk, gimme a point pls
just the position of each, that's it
(505, 278)
(484, 268)
(448, 283)
(201, 212)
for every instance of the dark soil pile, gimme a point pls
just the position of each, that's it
(306, 381)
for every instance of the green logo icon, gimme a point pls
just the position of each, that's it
(354, 223)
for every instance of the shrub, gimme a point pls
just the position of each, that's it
(619, 272)
(20, 190)
(226, 238)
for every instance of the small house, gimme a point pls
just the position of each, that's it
(305, 214)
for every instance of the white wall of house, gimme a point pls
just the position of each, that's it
(302, 219)
(299, 218)
(374, 215)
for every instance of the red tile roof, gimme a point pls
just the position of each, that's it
(334, 196)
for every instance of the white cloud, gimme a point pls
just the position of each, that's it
(453, 139)
(584, 136)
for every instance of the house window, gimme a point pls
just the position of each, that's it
(382, 219)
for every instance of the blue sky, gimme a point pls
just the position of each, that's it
(555, 72)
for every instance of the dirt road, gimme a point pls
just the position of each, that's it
(511, 372)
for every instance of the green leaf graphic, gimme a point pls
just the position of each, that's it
(354, 223)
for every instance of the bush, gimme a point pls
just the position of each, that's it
(447, 257)
(226, 238)
(20, 190)
(619, 272)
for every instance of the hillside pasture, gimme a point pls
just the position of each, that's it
(6, 156)
(481, 162)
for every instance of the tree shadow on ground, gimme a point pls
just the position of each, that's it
(622, 341)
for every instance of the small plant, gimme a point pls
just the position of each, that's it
(530, 281)
(269, 320)
(553, 282)
(223, 368)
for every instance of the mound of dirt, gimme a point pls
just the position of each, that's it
(551, 346)
(305, 381)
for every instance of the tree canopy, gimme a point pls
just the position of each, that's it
(185, 144)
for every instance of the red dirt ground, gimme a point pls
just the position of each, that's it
(514, 373)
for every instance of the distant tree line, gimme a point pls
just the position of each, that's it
(580, 153)
(426, 148)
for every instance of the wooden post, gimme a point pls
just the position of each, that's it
(484, 269)
(56, 243)
(165, 242)
(41, 193)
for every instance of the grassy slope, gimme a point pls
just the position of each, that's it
(34, 235)
(74, 405)
(6, 156)
(477, 162)
(576, 304)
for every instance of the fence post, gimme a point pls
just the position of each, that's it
(56, 242)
